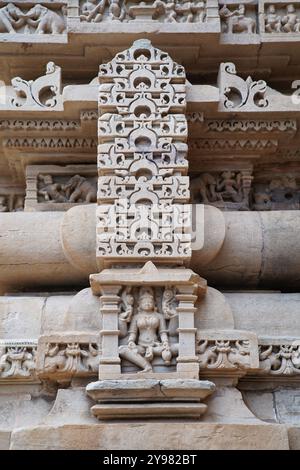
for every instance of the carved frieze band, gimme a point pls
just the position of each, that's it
(63, 356)
(239, 187)
(175, 11)
(260, 17)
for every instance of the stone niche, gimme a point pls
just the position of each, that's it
(238, 18)
(58, 188)
(148, 343)
(279, 20)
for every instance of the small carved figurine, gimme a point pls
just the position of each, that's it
(148, 336)
(289, 21)
(272, 20)
(92, 11)
(236, 21)
(50, 191)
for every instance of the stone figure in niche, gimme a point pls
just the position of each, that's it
(146, 329)
(229, 186)
(79, 188)
(228, 190)
(116, 11)
(50, 191)
(45, 20)
(236, 21)
(168, 9)
(272, 20)
(188, 11)
(205, 186)
(11, 18)
(290, 20)
(93, 10)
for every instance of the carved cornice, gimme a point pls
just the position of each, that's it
(50, 143)
(233, 144)
(250, 125)
(39, 124)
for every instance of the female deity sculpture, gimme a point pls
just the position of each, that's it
(147, 332)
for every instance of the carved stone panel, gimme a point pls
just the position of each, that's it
(227, 353)
(30, 18)
(279, 357)
(170, 11)
(224, 186)
(18, 360)
(238, 18)
(53, 187)
(64, 356)
(279, 19)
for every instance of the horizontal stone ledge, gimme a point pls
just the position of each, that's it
(187, 435)
(40, 250)
(73, 98)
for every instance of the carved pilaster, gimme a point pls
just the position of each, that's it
(109, 309)
(148, 313)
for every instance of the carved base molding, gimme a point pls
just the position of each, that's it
(146, 398)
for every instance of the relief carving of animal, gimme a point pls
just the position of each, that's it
(46, 21)
(79, 188)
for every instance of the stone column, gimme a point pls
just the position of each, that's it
(144, 240)
(109, 309)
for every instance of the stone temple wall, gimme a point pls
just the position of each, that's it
(149, 224)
